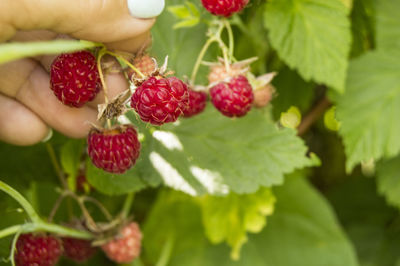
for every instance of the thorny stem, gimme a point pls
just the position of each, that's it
(56, 166)
(127, 63)
(313, 116)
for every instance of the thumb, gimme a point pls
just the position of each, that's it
(107, 21)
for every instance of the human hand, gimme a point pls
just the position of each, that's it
(28, 108)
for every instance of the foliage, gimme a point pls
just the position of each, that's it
(212, 190)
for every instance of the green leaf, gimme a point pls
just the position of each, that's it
(291, 90)
(388, 25)
(229, 218)
(179, 11)
(114, 184)
(70, 158)
(368, 110)
(312, 36)
(302, 231)
(372, 226)
(388, 180)
(187, 23)
(214, 154)
(14, 51)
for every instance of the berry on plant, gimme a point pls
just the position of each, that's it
(224, 8)
(40, 250)
(114, 150)
(160, 100)
(233, 98)
(126, 246)
(145, 64)
(263, 96)
(78, 250)
(74, 78)
(197, 103)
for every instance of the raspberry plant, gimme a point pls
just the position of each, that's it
(254, 133)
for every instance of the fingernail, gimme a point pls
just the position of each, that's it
(146, 8)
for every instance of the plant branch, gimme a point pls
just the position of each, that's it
(56, 165)
(127, 205)
(10, 230)
(313, 116)
(21, 200)
(230, 36)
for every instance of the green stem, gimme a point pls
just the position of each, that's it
(127, 205)
(10, 230)
(127, 63)
(60, 230)
(200, 58)
(166, 252)
(22, 201)
(14, 247)
(230, 36)
(56, 166)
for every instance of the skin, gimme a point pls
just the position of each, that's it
(28, 108)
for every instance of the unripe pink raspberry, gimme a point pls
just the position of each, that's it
(126, 246)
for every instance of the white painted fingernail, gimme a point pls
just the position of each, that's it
(146, 8)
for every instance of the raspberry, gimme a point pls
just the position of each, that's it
(114, 150)
(218, 73)
(263, 96)
(224, 8)
(234, 98)
(126, 246)
(74, 78)
(160, 100)
(78, 250)
(145, 64)
(40, 250)
(197, 103)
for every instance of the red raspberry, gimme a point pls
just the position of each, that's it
(74, 78)
(224, 8)
(40, 250)
(114, 150)
(145, 64)
(126, 246)
(234, 98)
(78, 250)
(197, 103)
(160, 100)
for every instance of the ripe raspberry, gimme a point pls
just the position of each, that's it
(74, 78)
(197, 103)
(160, 100)
(114, 150)
(145, 64)
(224, 8)
(125, 247)
(234, 98)
(263, 96)
(78, 250)
(40, 250)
